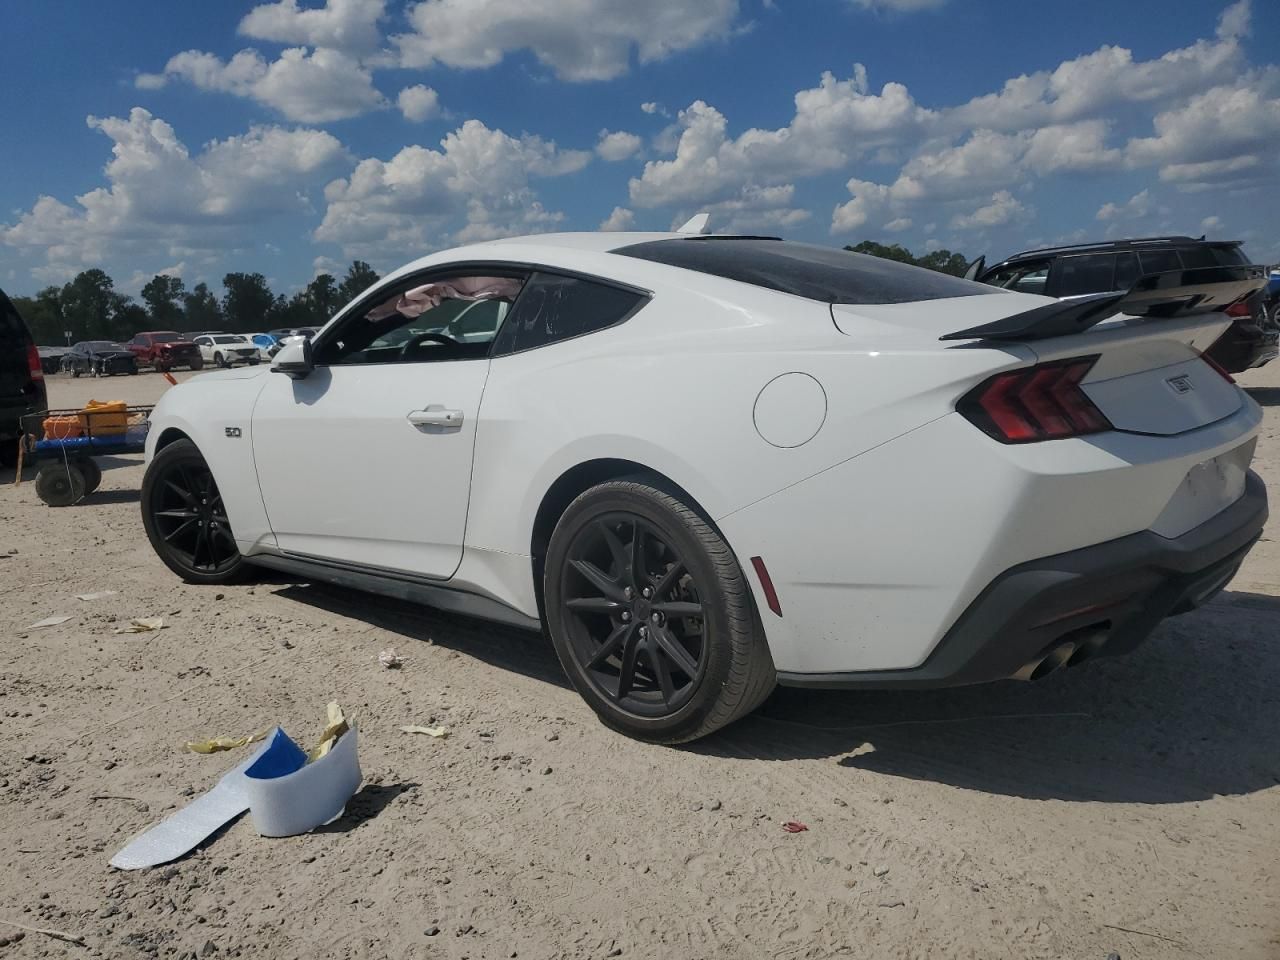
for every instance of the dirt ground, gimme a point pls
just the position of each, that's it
(1127, 806)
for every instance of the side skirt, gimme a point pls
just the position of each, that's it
(402, 586)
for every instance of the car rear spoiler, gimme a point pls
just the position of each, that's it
(1177, 293)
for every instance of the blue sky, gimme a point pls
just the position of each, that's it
(290, 137)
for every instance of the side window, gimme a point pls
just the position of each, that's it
(1126, 270)
(1159, 261)
(1091, 273)
(1029, 280)
(553, 308)
(424, 321)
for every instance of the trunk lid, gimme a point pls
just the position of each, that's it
(1149, 377)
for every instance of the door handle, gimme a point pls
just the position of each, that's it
(435, 416)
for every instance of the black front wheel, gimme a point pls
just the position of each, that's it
(185, 519)
(651, 615)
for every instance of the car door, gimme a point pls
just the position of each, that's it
(206, 348)
(367, 460)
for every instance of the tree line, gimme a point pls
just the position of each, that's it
(944, 261)
(91, 308)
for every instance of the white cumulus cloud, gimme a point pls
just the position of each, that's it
(579, 40)
(620, 219)
(160, 197)
(418, 103)
(315, 87)
(350, 25)
(475, 187)
(617, 145)
(1003, 208)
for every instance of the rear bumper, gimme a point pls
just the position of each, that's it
(1096, 601)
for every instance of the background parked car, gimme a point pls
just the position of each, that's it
(1253, 338)
(228, 349)
(1272, 295)
(51, 358)
(164, 350)
(99, 358)
(22, 389)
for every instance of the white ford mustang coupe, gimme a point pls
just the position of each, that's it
(709, 464)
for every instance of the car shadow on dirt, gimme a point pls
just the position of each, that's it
(1265, 396)
(520, 651)
(1192, 714)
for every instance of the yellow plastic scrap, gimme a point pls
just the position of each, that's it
(437, 732)
(337, 726)
(218, 744)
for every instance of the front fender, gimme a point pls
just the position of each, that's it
(216, 415)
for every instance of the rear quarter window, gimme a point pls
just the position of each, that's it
(552, 308)
(806, 270)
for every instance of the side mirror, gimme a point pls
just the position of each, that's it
(294, 359)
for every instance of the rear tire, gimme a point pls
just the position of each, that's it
(60, 484)
(185, 520)
(663, 641)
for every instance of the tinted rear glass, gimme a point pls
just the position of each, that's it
(813, 272)
(1093, 273)
(166, 337)
(1159, 261)
(1211, 256)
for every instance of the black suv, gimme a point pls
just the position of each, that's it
(21, 379)
(1250, 341)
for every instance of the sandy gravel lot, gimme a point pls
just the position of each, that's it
(1128, 806)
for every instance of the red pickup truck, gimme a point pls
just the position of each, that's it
(165, 349)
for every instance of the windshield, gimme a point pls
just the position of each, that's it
(166, 337)
(101, 346)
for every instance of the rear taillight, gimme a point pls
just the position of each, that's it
(33, 362)
(1218, 368)
(1044, 402)
(1240, 309)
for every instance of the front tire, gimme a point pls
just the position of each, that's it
(651, 615)
(197, 365)
(185, 519)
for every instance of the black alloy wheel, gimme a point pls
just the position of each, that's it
(185, 519)
(635, 615)
(651, 616)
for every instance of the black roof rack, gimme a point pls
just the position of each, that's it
(1126, 244)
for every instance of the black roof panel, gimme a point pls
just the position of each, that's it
(805, 270)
